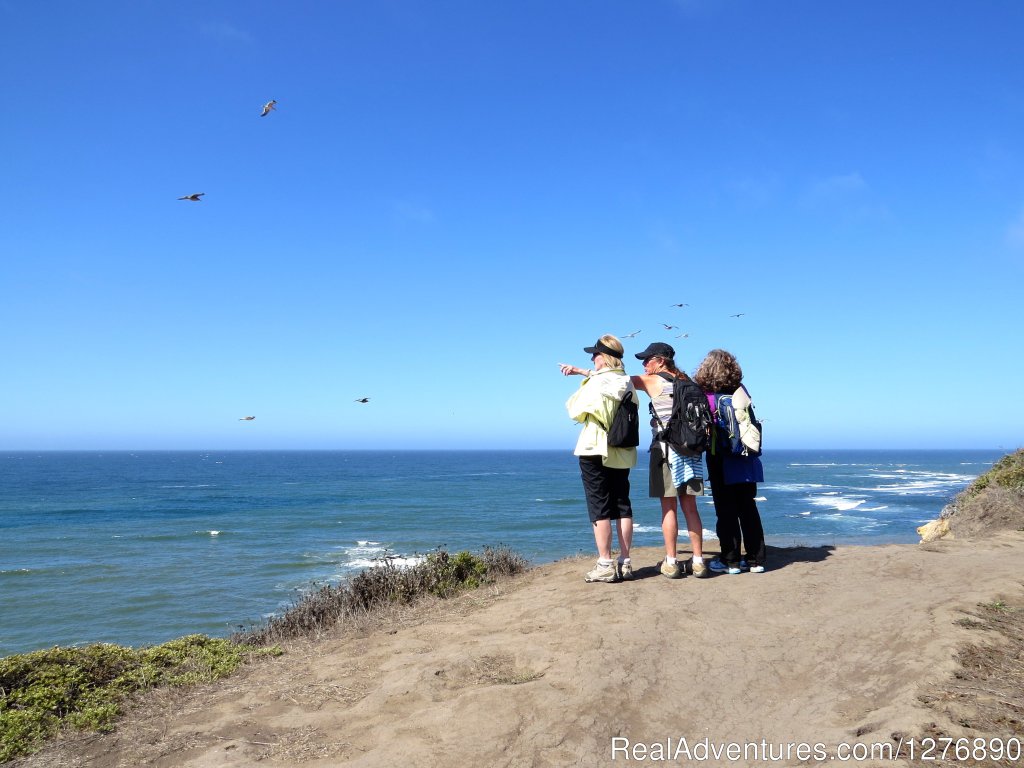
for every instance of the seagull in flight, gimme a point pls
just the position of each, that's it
(247, 418)
(679, 305)
(194, 197)
(738, 314)
(268, 107)
(362, 400)
(683, 336)
(670, 327)
(630, 335)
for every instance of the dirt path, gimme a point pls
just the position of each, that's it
(828, 646)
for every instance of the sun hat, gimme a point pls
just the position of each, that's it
(601, 349)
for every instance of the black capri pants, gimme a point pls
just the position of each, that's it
(606, 489)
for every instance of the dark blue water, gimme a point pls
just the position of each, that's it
(138, 548)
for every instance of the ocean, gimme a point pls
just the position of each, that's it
(139, 548)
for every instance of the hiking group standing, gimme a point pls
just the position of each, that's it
(676, 473)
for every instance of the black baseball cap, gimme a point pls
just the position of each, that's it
(656, 349)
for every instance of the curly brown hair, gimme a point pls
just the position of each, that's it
(719, 372)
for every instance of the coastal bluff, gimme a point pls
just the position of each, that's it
(831, 647)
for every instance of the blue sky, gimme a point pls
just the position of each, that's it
(454, 196)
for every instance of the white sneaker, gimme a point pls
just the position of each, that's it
(717, 566)
(606, 573)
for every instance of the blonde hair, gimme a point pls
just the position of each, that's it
(612, 343)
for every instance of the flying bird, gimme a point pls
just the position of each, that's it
(738, 314)
(362, 399)
(268, 107)
(247, 418)
(670, 327)
(630, 335)
(679, 305)
(194, 197)
(683, 336)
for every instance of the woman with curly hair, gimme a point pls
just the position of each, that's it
(733, 478)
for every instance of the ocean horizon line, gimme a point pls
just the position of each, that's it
(640, 449)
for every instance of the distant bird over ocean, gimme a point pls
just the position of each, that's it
(268, 107)
(738, 314)
(362, 399)
(679, 305)
(670, 327)
(194, 197)
(247, 418)
(683, 336)
(630, 335)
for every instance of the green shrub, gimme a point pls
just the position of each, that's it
(439, 573)
(85, 687)
(1008, 472)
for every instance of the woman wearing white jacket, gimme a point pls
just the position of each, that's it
(604, 468)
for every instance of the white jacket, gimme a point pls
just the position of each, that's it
(594, 405)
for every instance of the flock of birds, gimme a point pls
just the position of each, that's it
(252, 418)
(196, 197)
(670, 327)
(270, 106)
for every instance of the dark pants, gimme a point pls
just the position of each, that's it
(606, 489)
(738, 521)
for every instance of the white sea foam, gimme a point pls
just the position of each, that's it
(795, 486)
(379, 562)
(369, 551)
(705, 534)
(683, 533)
(760, 498)
(835, 501)
(924, 484)
(827, 464)
(850, 520)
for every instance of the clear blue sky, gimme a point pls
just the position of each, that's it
(453, 196)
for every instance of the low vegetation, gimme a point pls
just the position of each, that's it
(1007, 473)
(89, 687)
(994, 501)
(983, 698)
(439, 574)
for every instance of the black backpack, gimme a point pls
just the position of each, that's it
(625, 429)
(689, 426)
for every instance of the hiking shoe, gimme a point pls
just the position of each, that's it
(717, 566)
(626, 571)
(606, 573)
(755, 568)
(671, 570)
(699, 570)
(744, 566)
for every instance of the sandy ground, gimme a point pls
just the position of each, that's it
(830, 646)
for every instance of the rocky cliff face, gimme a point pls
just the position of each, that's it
(993, 502)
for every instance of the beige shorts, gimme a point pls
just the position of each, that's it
(660, 478)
